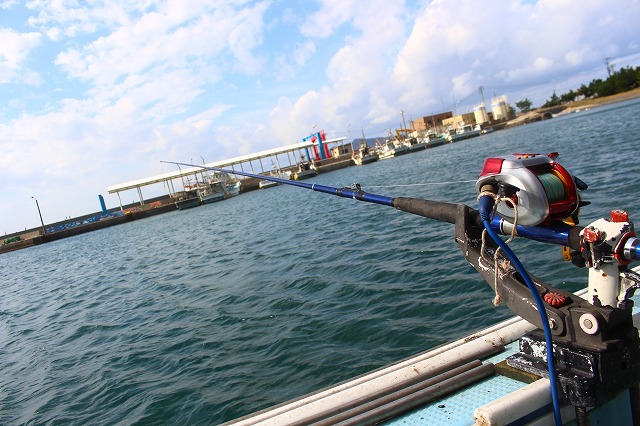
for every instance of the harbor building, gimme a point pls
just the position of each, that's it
(460, 120)
(480, 114)
(500, 108)
(434, 122)
(344, 149)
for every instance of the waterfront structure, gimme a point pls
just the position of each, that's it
(459, 120)
(434, 121)
(292, 152)
(480, 114)
(344, 149)
(500, 108)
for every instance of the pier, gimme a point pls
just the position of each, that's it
(316, 143)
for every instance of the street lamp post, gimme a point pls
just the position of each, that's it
(44, 231)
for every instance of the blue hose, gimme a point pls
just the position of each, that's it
(485, 206)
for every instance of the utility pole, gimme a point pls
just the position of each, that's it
(609, 66)
(44, 231)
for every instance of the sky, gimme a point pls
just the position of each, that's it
(96, 93)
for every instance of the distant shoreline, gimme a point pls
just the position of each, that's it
(539, 114)
(605, 100)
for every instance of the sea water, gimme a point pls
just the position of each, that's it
(204, 315)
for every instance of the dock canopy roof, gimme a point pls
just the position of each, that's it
(183, 172)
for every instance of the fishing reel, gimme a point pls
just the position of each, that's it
(542, 190)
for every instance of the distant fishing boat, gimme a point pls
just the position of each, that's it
(465, 131)
(212, 193)
(305, 170)
(189, 198)
(277, 173)
(225, 183)
(416, 145)
(267, 184)
(365, 155)
(483, 130)
(392, 148)
(232, 188)
(433, 139)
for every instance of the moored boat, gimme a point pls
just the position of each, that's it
(277, 173)
(417, 145)
(212, 194)
(304, 174)
(188, 202)
(365, 155)
(190, 197)
(465, 131)
(433, 139)
(224, 183)
(305, 170)
(232, 188)
(267, 184)
(392, 148)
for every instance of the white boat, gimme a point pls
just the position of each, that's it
(464, 382)
(305, 170)
(267, 184)
(433, 139)
(416, 145)
(225, 183)
(365, 155)
(212, 193)
(232, 188)
(277, 173)
(304, 174)
(392, 148)
(483, 130)
(465, 131)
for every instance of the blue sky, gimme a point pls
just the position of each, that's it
(98, 93)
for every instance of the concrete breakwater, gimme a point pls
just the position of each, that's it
(33, 238)
(159, 205)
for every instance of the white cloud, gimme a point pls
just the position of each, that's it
(14, 49)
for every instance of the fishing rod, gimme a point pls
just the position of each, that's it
(532, 196)
(554, 233)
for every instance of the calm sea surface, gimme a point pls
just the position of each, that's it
(204, 315)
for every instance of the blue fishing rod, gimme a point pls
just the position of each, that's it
(555, 233)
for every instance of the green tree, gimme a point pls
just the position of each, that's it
(554, 101)
(619, 81)
(585, 91)
(524, 105)
(570, 96)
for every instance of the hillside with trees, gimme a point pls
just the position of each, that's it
(619, 81)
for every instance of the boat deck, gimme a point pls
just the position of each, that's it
(458, 408)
